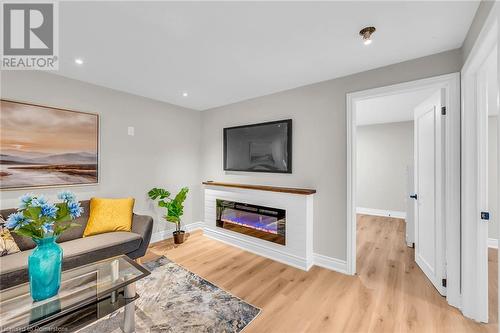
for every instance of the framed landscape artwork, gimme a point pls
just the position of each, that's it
(42, 146)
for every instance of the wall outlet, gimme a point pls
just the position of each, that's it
(130, 131)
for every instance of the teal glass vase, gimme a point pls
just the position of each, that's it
(44, 268)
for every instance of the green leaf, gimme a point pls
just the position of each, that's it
(175, 207)
(28, 232)
(156, 193)
(172, 219)
(63, 212)
(181, 196)
(60, 228)
(32, 213)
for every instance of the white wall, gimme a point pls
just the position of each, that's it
(319, 139)
(493, 176)
(384, 152)
(165, 150)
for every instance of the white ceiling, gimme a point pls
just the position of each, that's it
(224, 52)
(390, 109)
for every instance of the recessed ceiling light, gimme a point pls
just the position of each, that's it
(79, 61)
(366, 33)
(185, 94)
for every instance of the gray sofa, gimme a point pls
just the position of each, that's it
(77, 250)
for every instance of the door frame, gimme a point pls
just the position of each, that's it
(474, 233)
(498, 123)
(451, 83)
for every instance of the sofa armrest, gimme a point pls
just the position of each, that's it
(142, 225)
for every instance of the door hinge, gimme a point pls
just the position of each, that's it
(485, 216)
(443, 282)
(443, 110)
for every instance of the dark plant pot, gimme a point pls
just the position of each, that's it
(179, 237)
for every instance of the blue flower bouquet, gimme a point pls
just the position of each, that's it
(43, 222)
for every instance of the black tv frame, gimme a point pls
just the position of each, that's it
(288, 122)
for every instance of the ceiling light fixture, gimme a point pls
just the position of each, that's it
(185, 94)
(79, 61)
(366, 33)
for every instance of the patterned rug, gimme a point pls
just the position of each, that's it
(173, 299)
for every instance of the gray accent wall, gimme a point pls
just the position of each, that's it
(480, 17)
(165, 150)
(384, 153)
(319, 138)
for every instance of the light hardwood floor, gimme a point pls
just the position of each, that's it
(389, 294)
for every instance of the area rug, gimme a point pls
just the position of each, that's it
(173, 299)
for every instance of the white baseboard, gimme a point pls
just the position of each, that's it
(194, 226)
(161, 235)
(318, 259)
(165, 234)
(330, 263)
(381, 212)
(493, 243)
(264, 251)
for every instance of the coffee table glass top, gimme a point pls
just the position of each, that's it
(80, 287)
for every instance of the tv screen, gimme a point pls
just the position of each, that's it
(265, 147)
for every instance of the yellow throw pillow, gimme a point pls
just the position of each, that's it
(107, 215)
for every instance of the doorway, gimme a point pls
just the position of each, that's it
(480, 205)
(480, 104)
(396, 140)
(446, 87)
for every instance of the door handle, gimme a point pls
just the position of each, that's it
(414, 196)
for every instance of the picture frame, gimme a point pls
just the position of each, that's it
(33, 155)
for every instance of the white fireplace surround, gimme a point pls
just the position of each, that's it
(298, 250)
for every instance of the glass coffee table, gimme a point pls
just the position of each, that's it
(87, 294)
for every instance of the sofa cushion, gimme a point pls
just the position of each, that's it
(24, 243)
(77, 252)
(101, 242)
(74, 232)
(14, 262)
(108, 215)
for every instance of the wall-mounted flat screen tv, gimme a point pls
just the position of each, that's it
(265, 147)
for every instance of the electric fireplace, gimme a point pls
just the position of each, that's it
(266, 223)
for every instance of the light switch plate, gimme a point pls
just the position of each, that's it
(131, 131)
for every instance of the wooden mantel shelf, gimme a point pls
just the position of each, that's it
(302, 191)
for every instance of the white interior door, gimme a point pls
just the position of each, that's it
(429, 221)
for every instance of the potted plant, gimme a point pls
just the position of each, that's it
(44, 222)
(174, 207)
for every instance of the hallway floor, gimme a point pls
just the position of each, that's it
(387, 266)
(390, 293)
